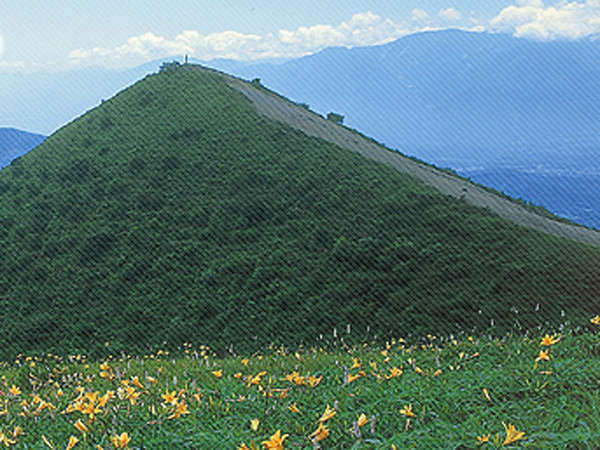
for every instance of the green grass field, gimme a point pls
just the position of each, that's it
(535, 391)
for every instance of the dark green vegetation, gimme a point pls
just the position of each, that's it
(334, 117)
(174, 212)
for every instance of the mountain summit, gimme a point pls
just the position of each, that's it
(181, 210)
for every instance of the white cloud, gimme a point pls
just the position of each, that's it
(418, 15)
(364, 28)
(1, 46)
(533, 3)
(312, 37)
(12, 66)
(450, 14)
(370, 29)
(94, 52)
(532, 18)
(474, 28)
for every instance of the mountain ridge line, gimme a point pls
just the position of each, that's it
(280, 109)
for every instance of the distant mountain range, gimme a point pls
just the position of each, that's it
(443, 96)
(525, 114)
(456, 99)
(15, 143)
(452, 95)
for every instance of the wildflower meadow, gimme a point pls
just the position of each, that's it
(518, 391)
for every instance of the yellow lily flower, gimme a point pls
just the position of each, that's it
(120, 441)
(14, 390)
(394, 372)
(362, 420)
(72, 442)
(255, 380)
(102, 401)
(132, 395)
(313, 381)
(6, 440)
(275, 442)
(169, 397)
(291, 377)
(136, 382)
(512, 435)
(181, 409)
(328, 414)
(544, 355)
(407, 411)
(352, 378)
(320, 433)
(486, 395)
(483, 438)
(81, 426)
(548, 341)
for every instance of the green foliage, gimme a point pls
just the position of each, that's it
(169, 66)
(334, 117)
(174, 212)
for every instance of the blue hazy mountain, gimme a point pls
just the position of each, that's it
(521, 111)
(46, 101)
(15, 143)
(442, 96)
(567, 193)
(450, 95)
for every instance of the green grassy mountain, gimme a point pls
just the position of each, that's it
(176, 212)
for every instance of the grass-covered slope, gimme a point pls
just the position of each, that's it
(174, 212)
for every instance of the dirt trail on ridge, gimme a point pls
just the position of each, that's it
(282, 110)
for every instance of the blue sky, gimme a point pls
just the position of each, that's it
(60, 34)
